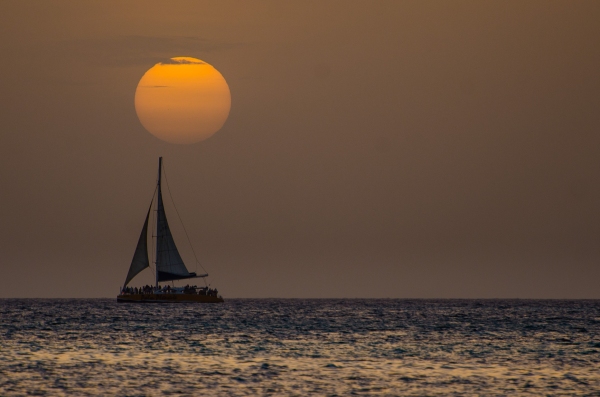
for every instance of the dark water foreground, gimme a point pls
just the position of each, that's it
(300, 347)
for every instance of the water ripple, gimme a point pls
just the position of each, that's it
(300, 347)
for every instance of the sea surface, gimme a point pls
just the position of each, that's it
(300, 348)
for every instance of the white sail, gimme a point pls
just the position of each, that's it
(140, 257)
(169, 265)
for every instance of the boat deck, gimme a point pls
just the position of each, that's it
(168, 298)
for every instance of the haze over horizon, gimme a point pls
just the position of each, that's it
(388, 149)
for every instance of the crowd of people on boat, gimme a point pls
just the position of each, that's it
(167, 289)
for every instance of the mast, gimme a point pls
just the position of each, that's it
(158, 192)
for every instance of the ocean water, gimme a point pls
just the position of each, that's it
(300, 348)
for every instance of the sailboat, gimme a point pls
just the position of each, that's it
(168, 265)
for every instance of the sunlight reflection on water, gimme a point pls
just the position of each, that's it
(300, 347)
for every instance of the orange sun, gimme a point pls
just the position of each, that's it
(184, 100)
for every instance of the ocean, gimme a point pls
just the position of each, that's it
(297, 347)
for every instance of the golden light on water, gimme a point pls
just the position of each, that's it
(184, 100)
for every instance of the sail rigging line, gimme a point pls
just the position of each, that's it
(180, 221)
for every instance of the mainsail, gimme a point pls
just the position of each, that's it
(169, 265)
(140, 257)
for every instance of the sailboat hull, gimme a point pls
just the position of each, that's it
(168, 298)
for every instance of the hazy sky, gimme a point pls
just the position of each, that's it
(410, 149)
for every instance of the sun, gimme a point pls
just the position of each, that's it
(184, 100)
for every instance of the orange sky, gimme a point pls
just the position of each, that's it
(374, 149)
